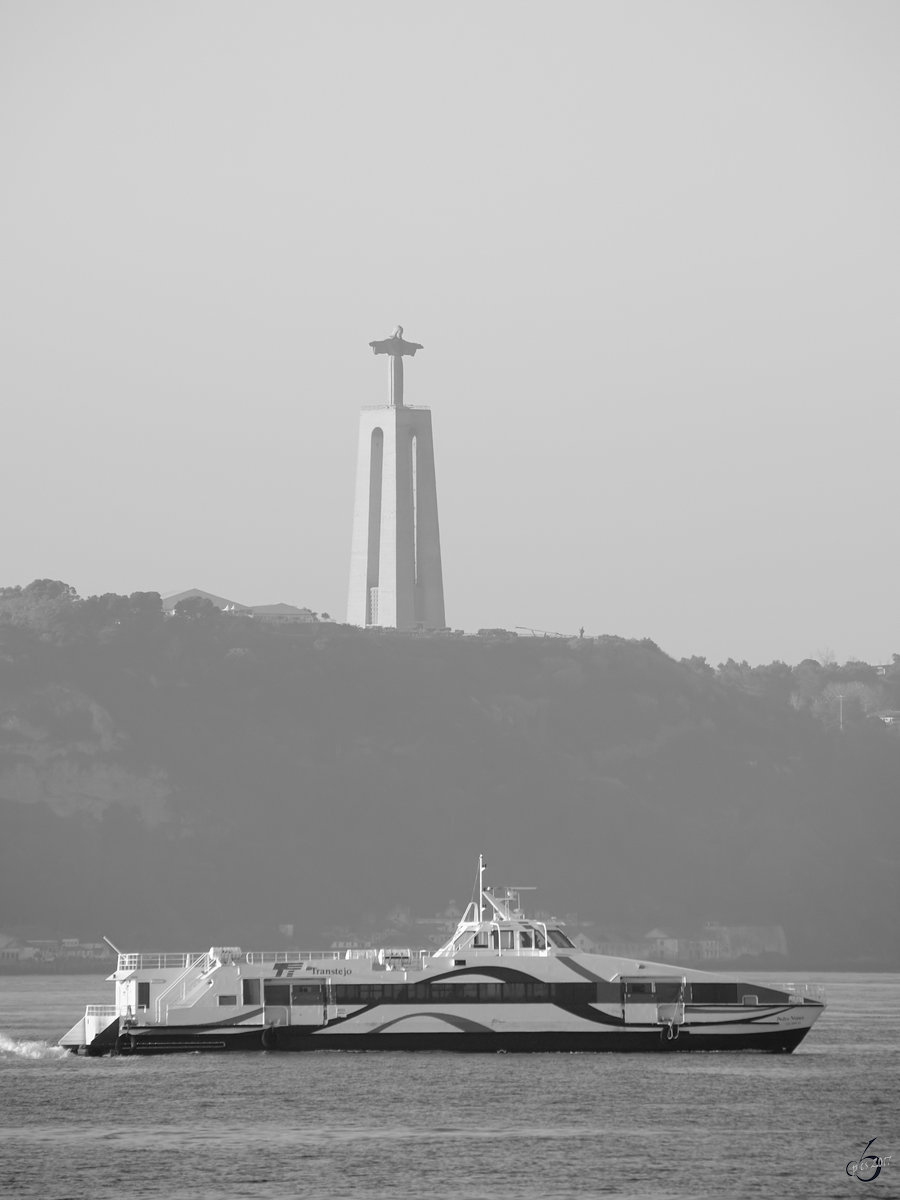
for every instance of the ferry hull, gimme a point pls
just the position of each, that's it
(503, 983)
(286, 1039)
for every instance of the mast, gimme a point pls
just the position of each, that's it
(480, 888)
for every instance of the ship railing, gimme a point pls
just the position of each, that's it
(396, 958)
(193, 971)
(103, 1011)
(260, 957)
(156, 962)
(814, 992)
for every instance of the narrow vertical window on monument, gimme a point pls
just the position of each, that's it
(413, 445)
(373, 559)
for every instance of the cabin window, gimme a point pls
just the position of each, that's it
(277, 993)
(507, 938)
(714, 993)
(250, 991)
(525, 939)
(539, 941)
(305, 993)
(495, 939)
(143, 995)
(480, 940)
(227, 1001)
(558, 938)
(639, 989)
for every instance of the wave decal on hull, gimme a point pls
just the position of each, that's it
(588, 1013)
(463, 1024)
(236, 1021)
(765, 1018)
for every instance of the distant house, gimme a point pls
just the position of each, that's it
(283, 613)
(169, 602)
(280, 613)
(662, 943)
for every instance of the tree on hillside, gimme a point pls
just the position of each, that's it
(197, 606)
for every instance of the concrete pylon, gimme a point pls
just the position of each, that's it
(395, 563)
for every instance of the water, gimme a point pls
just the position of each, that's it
(446, 1126)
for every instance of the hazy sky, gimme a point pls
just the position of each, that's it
(652, 251)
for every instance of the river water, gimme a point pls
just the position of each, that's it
(442, 1126)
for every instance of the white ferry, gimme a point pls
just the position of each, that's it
(502, 982)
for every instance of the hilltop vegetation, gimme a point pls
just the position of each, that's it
(188, 778)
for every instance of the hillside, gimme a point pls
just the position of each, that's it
(204, 776)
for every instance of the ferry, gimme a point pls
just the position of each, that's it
(503, 982)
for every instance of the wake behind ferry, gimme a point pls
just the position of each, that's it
(502, 982)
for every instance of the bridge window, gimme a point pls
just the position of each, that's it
(143, 995)
(507, 939)
(250, 991)
(558, 938)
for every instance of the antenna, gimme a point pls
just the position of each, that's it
(481, 866)
(109, 943)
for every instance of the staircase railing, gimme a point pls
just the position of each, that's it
(198, 966)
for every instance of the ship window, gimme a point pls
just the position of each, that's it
(539, 942)
(558, 938)
(506, 939)
(250, 991)
(495, 939)
(714, 993)
(639, 989)
(481, 940)
(143, 995)
(277, 993)
(306, 993)
(525, 939)
(226, 1001)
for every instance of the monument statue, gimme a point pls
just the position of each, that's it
(396, 578)
(396, 347)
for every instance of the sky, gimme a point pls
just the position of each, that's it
(652, 250)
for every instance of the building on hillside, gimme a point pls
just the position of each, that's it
(279, 613)
(169, 602)
(662, 944)
(286, 614)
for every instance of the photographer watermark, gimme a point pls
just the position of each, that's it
(868, 1166)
